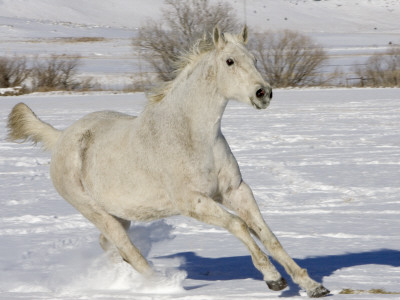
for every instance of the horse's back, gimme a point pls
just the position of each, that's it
(108, 114)
(94, 127)
(104, 120)
(100, 118)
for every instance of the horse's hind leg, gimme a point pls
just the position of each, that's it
(113, 231)
(105, 243)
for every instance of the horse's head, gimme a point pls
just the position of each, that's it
(237, 75)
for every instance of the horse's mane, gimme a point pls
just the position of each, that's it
(201, 46)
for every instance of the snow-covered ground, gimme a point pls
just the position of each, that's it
(324, 164)
(324, 167)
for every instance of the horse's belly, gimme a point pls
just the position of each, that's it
(136, 202)
(147, 213)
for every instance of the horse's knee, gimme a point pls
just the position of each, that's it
(274, 245)
(237, 225)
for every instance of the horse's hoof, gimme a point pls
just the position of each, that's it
(319, 291)
(277, 285)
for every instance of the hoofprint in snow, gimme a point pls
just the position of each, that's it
(323, 165)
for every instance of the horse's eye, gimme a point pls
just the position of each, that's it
(230, 62)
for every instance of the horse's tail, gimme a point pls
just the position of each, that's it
(24, 125)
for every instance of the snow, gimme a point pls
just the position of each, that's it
(323, 165)
(10, 91)
(308, 15)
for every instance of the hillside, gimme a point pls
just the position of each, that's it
(303, 15)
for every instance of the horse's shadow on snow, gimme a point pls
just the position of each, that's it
(241, 267)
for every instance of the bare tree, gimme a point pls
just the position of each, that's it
(288, 58)
(182, 23)
(56, 73)
(13, 71)
(381, 69)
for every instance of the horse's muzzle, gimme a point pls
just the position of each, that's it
(263, 98)
(262, 93)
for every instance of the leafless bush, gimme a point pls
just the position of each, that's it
(82, 39)
(288, 58)
(182, 23)
(13, 71)
(381, 69)
(56, 73)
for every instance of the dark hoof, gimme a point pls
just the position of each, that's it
(318, 292)
(277, 285)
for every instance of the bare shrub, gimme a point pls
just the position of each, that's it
(381, 69)
(56, 73)
(182, 23)
(13, 72)
(288, 58)
(82, 39)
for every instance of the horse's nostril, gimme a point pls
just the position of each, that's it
(260, 93)
(270, 95)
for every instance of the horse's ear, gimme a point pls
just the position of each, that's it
(245, 34)
(218, 38)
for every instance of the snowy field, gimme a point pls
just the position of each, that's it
(323, 163)
(324, 167)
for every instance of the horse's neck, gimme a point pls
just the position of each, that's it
(194, 102)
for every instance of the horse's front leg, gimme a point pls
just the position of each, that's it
(242, 201)
(206, 210)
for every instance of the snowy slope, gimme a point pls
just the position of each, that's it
(350, 31)
(324, 167)
(306, 15)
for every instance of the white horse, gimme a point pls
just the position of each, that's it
(170, 160)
